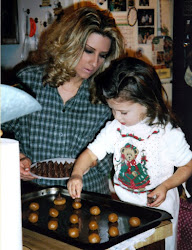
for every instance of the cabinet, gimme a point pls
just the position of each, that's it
(9, 22)
(182, 92)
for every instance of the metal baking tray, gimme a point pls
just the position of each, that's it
(149, 217)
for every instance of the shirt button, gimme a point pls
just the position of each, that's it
(61, 134)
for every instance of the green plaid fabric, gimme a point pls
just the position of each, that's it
(60, 130)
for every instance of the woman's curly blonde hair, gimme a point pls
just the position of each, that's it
(61, 45)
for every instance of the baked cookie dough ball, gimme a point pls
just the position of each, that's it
(113, 231)
(76, 205)
(34, 206)
(53, 225)
(59, 201)
(33, 217)
(73, 232)
(134, 222)
(113, 217)
(94, 238)
(93, 225)
(53, 212)
(95, 210)
(74, 218)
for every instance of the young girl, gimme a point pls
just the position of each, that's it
(144, 139)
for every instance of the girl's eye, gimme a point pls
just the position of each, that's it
(124, 113)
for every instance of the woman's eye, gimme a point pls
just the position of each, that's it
(103, 56)
(88, 51)
(124, 113)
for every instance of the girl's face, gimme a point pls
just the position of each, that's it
(94, 54)
(126, 112)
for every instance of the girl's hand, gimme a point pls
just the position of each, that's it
(75, 185)
(157, 196)
(25, 164)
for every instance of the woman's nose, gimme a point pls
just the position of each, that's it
(95, 60)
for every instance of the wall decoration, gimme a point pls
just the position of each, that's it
(162, 48)
(143, 2)
(45, 3)
(117, 5)
(139, 53)
(145, 35)
(132, 16)
(101, 2)
(145, 17)
(131, 3)
(129, 36)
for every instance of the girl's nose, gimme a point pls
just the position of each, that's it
(117, 115)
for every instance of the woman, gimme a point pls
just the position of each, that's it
(71, 52)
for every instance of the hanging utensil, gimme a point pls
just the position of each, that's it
(26, 43)
(32, 33)
(32, 27)
(36, 36)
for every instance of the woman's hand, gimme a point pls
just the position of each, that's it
(25, 164)
(75, 185)
(157, 196)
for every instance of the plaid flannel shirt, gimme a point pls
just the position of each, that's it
(61, 130)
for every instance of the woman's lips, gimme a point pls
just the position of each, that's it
(88, 70)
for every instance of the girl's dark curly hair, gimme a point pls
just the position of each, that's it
(130, 79)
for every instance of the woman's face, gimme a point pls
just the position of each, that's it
(94, 55)
(126, 112)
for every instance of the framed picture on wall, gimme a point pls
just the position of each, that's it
(131, 3)
(145, 35)
(145, 17)
(143, 2)
(9, 22)
(117, 5)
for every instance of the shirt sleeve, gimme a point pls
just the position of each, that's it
(178, 149)
(104, 142)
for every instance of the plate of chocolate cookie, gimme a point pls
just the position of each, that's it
(54, 169)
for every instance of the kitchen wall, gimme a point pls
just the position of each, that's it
(12, 54)
(162, 11)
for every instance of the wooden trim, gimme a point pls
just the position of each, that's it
(163, 231)
(36, 241)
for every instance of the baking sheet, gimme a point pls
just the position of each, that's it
(58, 160)
(149, 217)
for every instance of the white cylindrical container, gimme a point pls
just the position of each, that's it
(10, 196)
